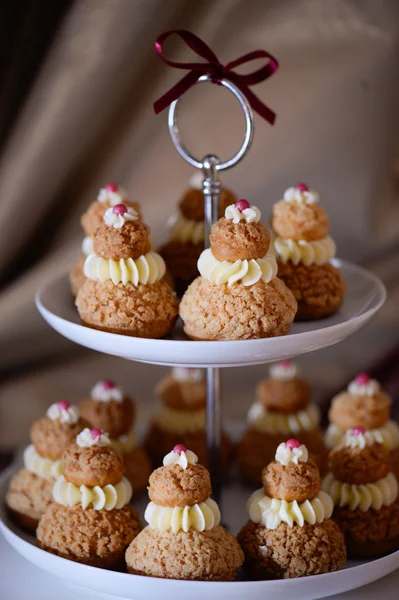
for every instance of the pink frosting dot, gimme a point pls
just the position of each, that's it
(362, 379)
(242, 205)
(108, 384)
(63, 405)
(292, 443)
(95, 433)
(119, 209)
(111, 187)
(285, 364)
(179, 448)
(302, 187)
(358, 430)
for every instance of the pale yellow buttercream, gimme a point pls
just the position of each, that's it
(181, 421)
(202, 517)
(248, 272)
(317, 252)
(43, 467)
(148, 268)
(100, 498)
(276, 423)
(365, 496)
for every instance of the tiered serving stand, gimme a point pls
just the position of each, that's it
(365, 295)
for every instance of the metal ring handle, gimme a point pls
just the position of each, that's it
(249, 128)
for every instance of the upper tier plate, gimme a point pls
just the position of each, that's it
(365, 295)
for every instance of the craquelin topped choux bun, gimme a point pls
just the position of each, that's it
(182, 417)
(108, 196)
(183, 519)
(124, 291)
(91, 520)
(304, 251)
(186, 233)
(365, 494)
(289, 518)
(30, 491)
(110, 409)
(240, 298)
(283, 407)
(364, 404)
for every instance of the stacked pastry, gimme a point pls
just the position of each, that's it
(290, 532)
(182, 416)
(238, 295)
(30, 491)
(124, 291)
(365, 494)
(183, 539)
(109, 196)
(109, 409)
(91, 520)
(283, 408)
(186, 233)
(364, 404)
(304, 251)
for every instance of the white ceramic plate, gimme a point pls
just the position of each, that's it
(365, 295)
(133, 587)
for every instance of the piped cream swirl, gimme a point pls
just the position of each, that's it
(99, 498)
(185, 230)
(317, 252)
(275, 423)
(148, 268)
(202, 517)
(43, 467)
(271, 511)
(388, 435)
(370, 495)
(181, 421)
(248, 272)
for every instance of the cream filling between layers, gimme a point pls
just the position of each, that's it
(202, 517)
(248, 272)
(271, 511)
(43, 467)
(279, 423)
(318, 252)
(388, 435)
(370, 495)
(107, 497)
(148, 268)
(186, 231)
(181, 421)
(124, 443)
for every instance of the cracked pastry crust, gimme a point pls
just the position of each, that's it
(371, 412)
(257, 449)
(130, 241)
(219, 312)
(147, 311)
(173, 486)
(239, 241)
(192, 203)
(292, 482)
(181, 260)
(50, 438)
(370, 533)
(212, 555)
(284, 396)
(93, 537)
(291, 220)
(28, 497)
(138, 469)
(359, 465)
(92, 466)
(318, 289)
(116, 418)
(288, 552)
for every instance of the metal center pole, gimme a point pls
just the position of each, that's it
(211, 190)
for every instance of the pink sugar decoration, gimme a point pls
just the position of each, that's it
(285, 364)
(242, 205)
(95, 433)
(358, 430)
(111, 187)
(292, 443)
(179, 448)
(119, 209)
(362, 379)
(108, 384)
(63, 405)
(302, 187)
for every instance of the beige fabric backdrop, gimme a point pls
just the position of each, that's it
(89, 119)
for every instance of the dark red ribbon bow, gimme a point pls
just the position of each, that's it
(217, 71)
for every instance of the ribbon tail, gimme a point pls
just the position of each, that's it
(176, 91)
(258, 106)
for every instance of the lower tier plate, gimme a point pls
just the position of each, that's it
(134, 587)
(365, 295)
